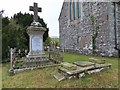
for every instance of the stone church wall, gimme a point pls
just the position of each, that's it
(76, 35)
(63, 22)
(118, 25)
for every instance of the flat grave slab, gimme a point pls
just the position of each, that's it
(84, 63)
(96, 61)
(103, 65)
(81, 67)
(71, 69)
(69, 66)
(59, 76)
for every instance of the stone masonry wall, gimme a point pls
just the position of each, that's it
(76, 35)
(100, 11)
(63, 22)
(118, 24)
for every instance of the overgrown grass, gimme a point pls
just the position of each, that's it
(43, 78)
(72, 57)
(0, 76)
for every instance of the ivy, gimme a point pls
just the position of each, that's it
(95, 29)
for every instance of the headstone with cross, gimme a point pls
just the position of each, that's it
(35, 9)
(35, 32)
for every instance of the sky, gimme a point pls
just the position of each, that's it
(50, 11)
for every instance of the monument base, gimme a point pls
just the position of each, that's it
(35, 54)
(33, 60)
(37, 57)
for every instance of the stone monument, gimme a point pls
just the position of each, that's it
(35, 32)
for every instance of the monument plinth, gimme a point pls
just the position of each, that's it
(35, 32)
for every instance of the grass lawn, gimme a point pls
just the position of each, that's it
(55, 39)
(43, 78)
(0, 76)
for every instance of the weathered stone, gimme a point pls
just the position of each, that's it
(76, 35)
(84, 63)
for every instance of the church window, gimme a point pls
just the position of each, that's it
(75, 9)
(79, 8)
(71, 6)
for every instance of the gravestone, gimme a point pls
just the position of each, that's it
(35, 32)
(36, 56)
(12, 57)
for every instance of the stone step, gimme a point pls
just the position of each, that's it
(59, 76)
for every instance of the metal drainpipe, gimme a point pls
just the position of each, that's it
(115, 25)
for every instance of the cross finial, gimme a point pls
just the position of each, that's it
(35, 9)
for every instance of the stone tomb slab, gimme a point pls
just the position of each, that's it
(97, 61)
(69, 66)
(59, 76)
(84, 63)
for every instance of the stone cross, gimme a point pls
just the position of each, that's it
(35, 9)
(11, 58)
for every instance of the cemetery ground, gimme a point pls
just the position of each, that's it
(43, 78)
